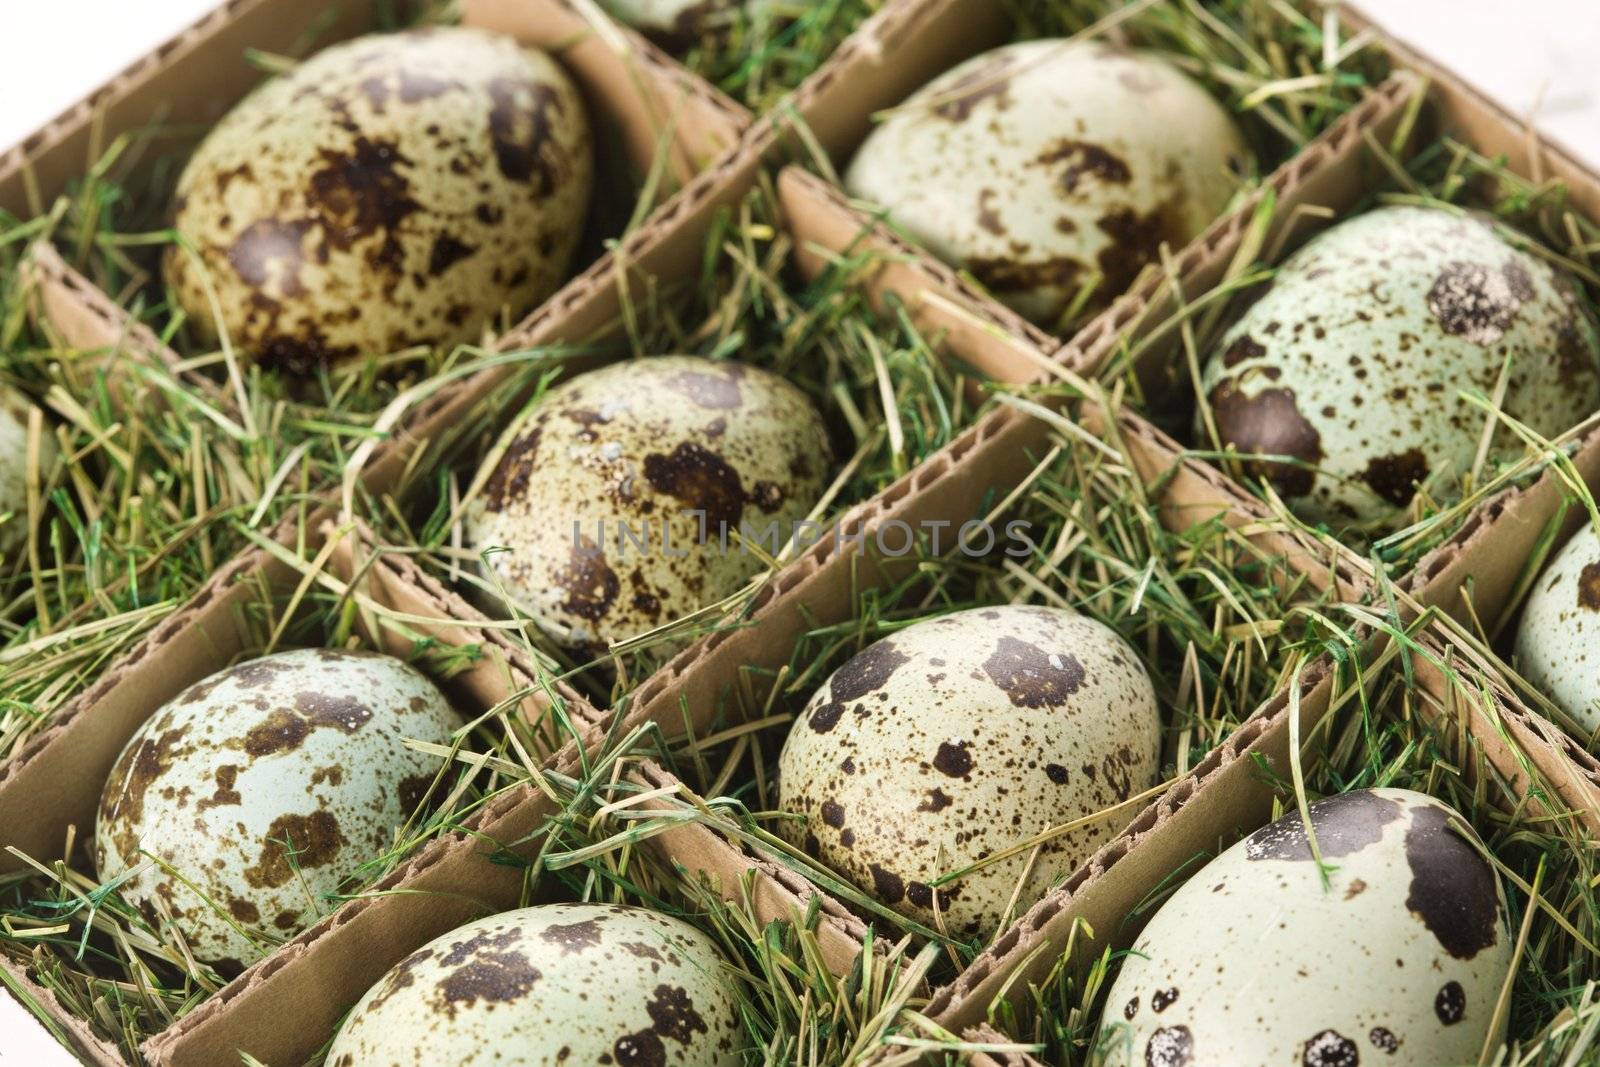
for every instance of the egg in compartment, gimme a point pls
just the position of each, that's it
(1393, 951)
(959, 737)
(609, 502)
(557, 984)
(249, 798)
(1347, 375)
(1042, 166)
(394, 190)
(1556, 649)
(15, 411)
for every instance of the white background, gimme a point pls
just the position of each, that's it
(1535, 56)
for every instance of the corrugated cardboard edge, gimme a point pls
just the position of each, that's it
(75, 309)
(986, 1035)
(709, 121)
(87, 1047)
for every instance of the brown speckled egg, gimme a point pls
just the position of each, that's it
(265, 786)
(1039, 165)
(1353, 361)
(559, 984)
(1396, 959)
(1557, 635)
(14, 412)
(602, 493)
(961, 736)
(398, 189)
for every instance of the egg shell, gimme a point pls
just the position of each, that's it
(14, 412)
(641, 444)
(394, 190)
(558, 984)
(1353, 361)
(960, 736)
(301, 747)
(1035, 165)
(1398, 959)
(1557, 634)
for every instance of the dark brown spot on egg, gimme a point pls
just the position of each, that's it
(887, 886)
(1162, 999)
(1056, 773)
(1589, 587)
(1450, 1004)
(935, 801)
(447, 252)
(140, 765)
(1330, 1049)
(226, 777)
(1395, 477)
(1031, 677)
(1136, 242)
(866, 672)
(520, 124)
(701, 480)
(642, 1049)
(244, 911)
(509, 482)
(1080, 159)
(295, 842)
(988, 217)
(362, 194)
(343, 713)
(1473, 301)
(492, 977)
(400, 977)
(1269, 424)
(287, 920)
(1383, 1039)
(1242, 348)
(1452, 887)
(1131, 1008)
(673, 1015)
(953, 759)
(572, 938)
(1170, 1046)
(591, 586)
(1345, 825)
(833, 813)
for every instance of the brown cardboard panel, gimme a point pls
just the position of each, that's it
(70, 307)
(191, 80)
(82, 1042)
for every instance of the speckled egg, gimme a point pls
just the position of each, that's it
(962, 736)
(1397, 959)
(1041, 165)
(265, 786)
(14, 412)
(395, 190)
(1348, 370)
(559, 984)
(602, 494)
(1559, 627)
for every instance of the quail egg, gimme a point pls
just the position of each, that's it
(563, 983)
(395, 190)
(1349, 370)
(1042, 165)
(1555, 636)
(257, 791)
(963, 735)
(1397, 958)
(14, 411)
(611, 499)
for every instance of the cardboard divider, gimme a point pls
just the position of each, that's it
(188, 82)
